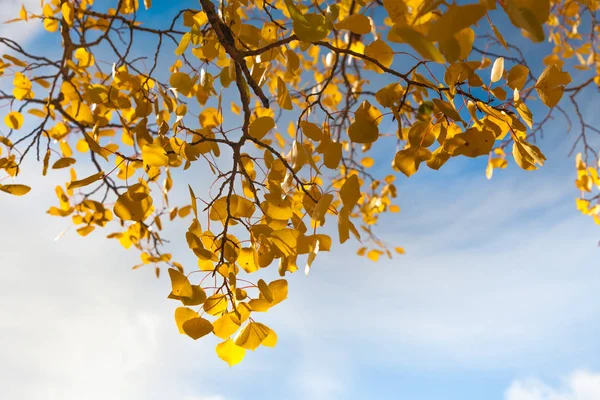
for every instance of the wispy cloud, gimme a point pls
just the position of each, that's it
(580, 385)
(18, 31)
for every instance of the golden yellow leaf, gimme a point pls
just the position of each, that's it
(527, 155)
(417, 41)
(22, 88)
(134, 205)
(309, 27)
(312, 131)
(14, 120)
(260, 127)
(448, 109)
(517, 76)
(154, 155)
(455, 19)
(407, 161)
(363, 131)
(225, 326)
(197, 327)
(183, 314)
(216, 304)
(367, 162)
(15, 189)
(551, 85)
(85, 58)
(265, 290)
(86, 181)
(271, 339)
(373, 255)
(248, 259)
(380, 51)
(279, 291)
(252, 335)
(229, 352)
(356, 23)
(350, 192)
(283, 96)
(180, 285)
(63, 163)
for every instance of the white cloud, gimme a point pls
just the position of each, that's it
(19, 31)
(580, 385)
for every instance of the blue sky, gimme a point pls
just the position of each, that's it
(495, 299)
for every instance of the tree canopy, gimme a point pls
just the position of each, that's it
(278, 105)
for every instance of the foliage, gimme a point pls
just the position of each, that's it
(445, 74)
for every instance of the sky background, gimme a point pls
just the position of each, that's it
(496, 299)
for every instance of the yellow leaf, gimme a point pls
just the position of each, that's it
(134, 205)
(497, 70)
(15, 190)
(312, 131)
(380, 51)
(50, 24)
(95, 146)
(399, 250)
(198, 297)
(499, 36)
(182, 82)
(309, 27)
(458, 46)
(85, 58)
(551, 85)
(525, 113)
(363, 131)
(283, 96)
(183, 44)
(407, 161)
(448, 109)
(525, 18)
(332, 155)
(230, 352)
(356, 23)
(252, 335)
(81, 113)
(264, 290)
(193, 199)
(248, 259)
(225, 326)
(350, 192)
(320, 210)
(417, 41)
(260, 127)
(373, 255)
(455, 19)
(14, 120)
(197, 327)
(367, 162)
(216, 304)
(279, 291)
(154, 155)
(183, 314)
(476, 143)
(23, 13)
(22, 88)
(527, 155)
(63, 163)
(271, 339)
(180, 285)
(517, 77)
(86, 181)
